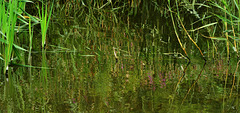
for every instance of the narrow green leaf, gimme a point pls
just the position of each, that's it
(204, 26)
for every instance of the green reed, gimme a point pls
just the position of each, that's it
(80, 83)
(8, 30)
(229, 15)
(44, 16)
(231, 24)
(8, 23)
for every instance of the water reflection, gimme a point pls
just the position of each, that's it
(115, 71)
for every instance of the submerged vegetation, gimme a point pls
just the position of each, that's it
(119, 56)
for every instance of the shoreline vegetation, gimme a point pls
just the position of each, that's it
(119, 55)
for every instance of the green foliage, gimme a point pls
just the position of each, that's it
(119, 55)
(8, 23)
(44, 16)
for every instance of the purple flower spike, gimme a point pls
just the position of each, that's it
(164, 83)
(150, 79)
(73, 100)
(154, 88)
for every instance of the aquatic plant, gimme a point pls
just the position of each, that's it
(44, 16)
(121, 56)
(8, 21)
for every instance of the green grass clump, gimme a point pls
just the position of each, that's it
(44, 16)
(8, 23)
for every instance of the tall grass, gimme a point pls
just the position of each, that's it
(230, 20)
(175, 30)
(8, 29)
(230, 17)
(8, 23)
(82, 83)
(44, 16)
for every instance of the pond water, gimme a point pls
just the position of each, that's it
(121, 68)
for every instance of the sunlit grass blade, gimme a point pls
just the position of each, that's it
(27, 66)
(204, 26)
(16, 46)
(217, 38)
